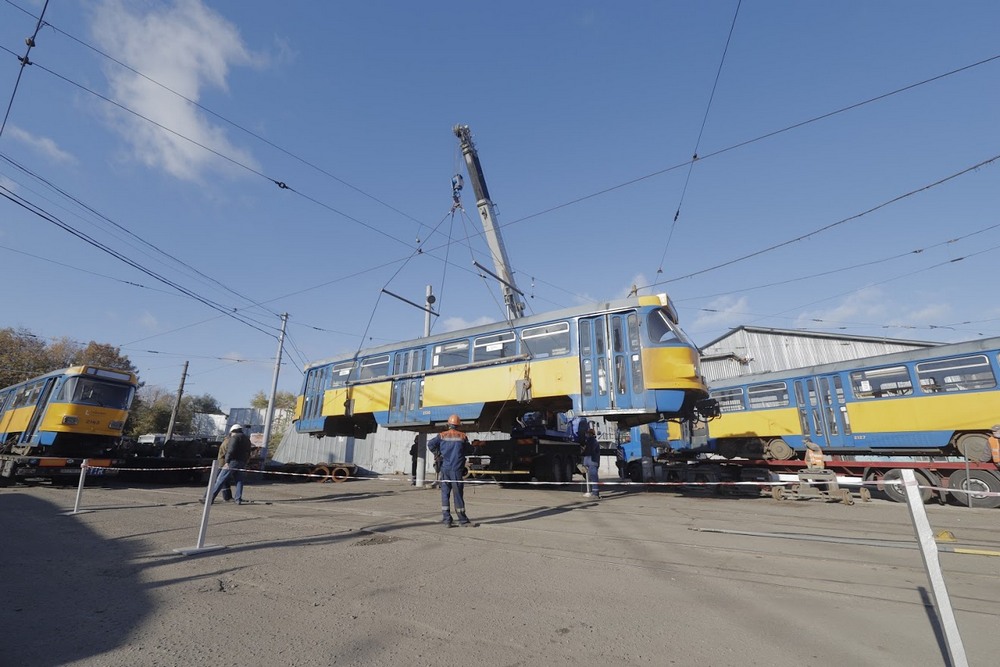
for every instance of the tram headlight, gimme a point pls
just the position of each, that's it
(116, 425)
(70, 420)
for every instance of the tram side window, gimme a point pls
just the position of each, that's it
(881, 382)
(373, 367)
(958, 374)
(497, 346)
(546, 341)
(730, 400)
(771, 395)
(451, 354)
(410, 361)
(341, 373)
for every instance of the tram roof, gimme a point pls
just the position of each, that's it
(803, 333)
(503, 325)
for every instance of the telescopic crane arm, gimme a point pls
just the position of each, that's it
(487, 211)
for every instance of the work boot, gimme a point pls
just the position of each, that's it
(463, 520)
(446, 520)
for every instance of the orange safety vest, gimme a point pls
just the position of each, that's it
(995, 449)
(814, 459)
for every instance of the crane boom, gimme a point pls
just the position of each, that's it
(511, 294)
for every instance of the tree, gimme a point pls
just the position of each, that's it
(207, 404)
(23, 355)
(284, 403)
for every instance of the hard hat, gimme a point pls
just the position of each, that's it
(454, 420)
(235, 427)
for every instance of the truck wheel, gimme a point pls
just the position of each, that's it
(892, 485)
(977, 483)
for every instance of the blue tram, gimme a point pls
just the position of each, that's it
(627, 361)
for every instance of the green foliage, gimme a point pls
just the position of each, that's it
(283, 400)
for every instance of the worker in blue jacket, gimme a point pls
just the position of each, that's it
(450, 448)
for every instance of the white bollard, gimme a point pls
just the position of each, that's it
(79, 490)
(200, 547)
(929, 551)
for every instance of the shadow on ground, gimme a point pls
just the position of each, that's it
(68, 593)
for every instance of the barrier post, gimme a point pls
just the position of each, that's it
(206, 500)
(79, 490)
(929, 551)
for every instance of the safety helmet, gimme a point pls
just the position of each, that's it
(454, 421)
(235, 427)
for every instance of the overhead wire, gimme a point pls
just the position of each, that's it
(25, 61)
(831, 225)
(701, 132)
(44, 215)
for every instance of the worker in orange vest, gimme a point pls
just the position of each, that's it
(814, 456)
(995, 444)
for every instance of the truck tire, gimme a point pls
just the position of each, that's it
(977, 483)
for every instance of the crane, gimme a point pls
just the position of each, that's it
(512, 296)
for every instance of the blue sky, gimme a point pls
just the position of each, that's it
(585, 115)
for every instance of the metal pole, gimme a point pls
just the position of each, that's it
(177, 406)
(422, 437)
(269, 417)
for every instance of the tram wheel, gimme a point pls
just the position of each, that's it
(322, 473)
(977, 483)
(865, 494)
(340, 474)
(778, 450)
(974, 446)
(778, 492)
(892, 484)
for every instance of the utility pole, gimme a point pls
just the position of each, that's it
(422, 437)
(269, 417)
(177, 405)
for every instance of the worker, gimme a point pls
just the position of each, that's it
(237, 458)
(450, 447)
(227, 490)
(994, 440)
(814, 456)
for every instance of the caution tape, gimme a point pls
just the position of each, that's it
(338, 474)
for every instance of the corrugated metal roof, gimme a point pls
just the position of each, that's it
(752, 350)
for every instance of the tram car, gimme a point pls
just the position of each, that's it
(78, 411)
(937, 401)
(627, 361)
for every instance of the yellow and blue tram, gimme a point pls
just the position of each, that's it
(625, 360)
(940, 400)
(75, 411)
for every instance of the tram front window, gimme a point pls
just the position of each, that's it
(660, 329)
(98, 393)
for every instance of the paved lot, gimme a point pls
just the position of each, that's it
(360, 573)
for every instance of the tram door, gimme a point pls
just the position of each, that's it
(408, 392)
(609, 362)
(40, 406)
(823, 411)
(317, 381)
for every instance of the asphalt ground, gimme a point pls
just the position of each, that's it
(361, 573)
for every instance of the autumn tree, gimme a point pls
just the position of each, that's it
(284, 404)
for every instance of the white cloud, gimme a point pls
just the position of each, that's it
(861, 306)
(724, 312)
(43, 145)
(455, 323)
(148, 321)
(186, 47)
